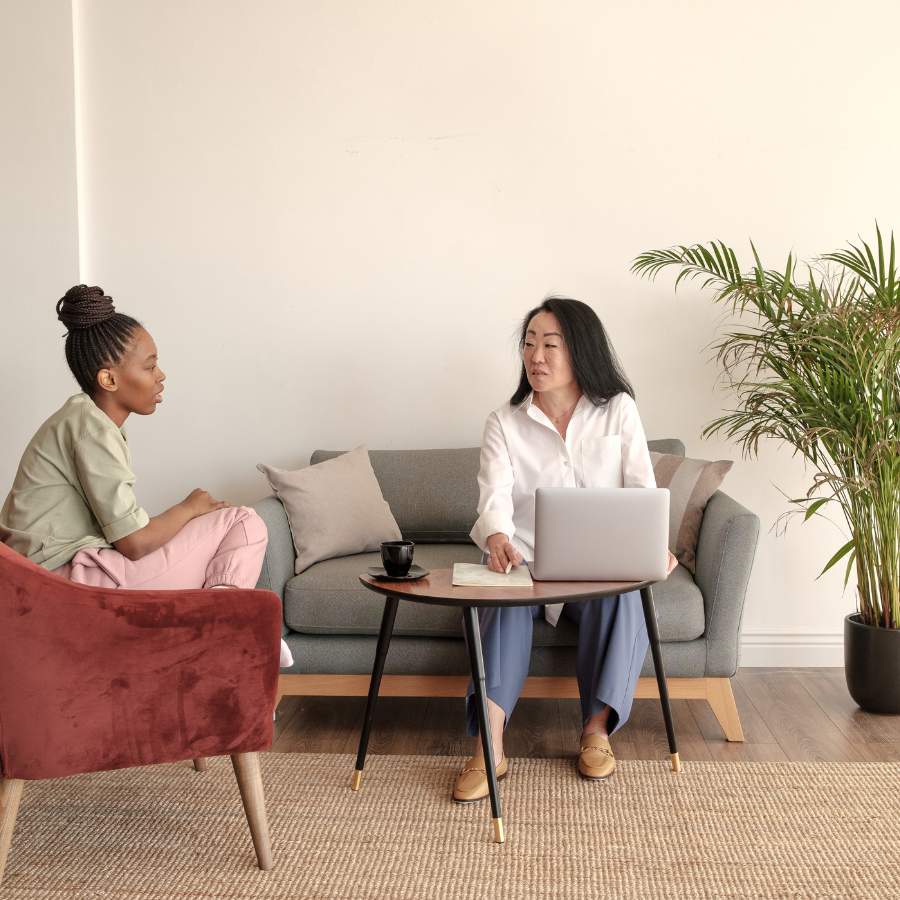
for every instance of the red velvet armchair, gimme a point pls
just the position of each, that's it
(93, 679)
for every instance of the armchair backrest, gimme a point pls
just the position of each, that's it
(94, 678)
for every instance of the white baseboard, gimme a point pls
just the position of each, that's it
(788, 649)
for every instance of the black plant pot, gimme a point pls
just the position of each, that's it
(872, 665)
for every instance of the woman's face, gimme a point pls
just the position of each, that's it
(136, 381)
(545, 355)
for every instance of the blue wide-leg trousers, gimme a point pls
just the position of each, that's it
(612, 644)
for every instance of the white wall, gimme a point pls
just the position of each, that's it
(38, 216)
(331, 215)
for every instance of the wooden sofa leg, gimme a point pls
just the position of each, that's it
(249, 779)
(10, 795)
(200, 764)
(721, 700)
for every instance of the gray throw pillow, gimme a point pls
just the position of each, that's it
(691, 482)
(334, 508)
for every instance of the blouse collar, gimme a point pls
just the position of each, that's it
(526, 405)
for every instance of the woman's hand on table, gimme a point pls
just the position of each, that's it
(501, 553)
(672, 563)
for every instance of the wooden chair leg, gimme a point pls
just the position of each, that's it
(200, 764)
(10, 795)
(249, 779)
(721, 701)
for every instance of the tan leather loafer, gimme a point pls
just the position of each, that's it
(596, 761)
(472, 784)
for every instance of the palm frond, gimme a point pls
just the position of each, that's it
(818, 368)
(880, 276)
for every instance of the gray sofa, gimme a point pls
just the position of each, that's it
(332, 621)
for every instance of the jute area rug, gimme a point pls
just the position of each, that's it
(717, 830)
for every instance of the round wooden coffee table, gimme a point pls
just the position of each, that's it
(437, 588)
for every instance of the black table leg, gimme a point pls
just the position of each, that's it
(653, 632)
(473, 639)
(384, 641)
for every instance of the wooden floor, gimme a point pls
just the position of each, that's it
(787, 715)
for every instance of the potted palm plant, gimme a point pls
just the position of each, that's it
(812, 356)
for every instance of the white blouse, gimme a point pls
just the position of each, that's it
(522, 451)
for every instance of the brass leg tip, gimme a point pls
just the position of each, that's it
(499, 837)
(676, 762)
(357, 780)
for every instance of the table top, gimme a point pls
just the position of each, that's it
(437, 588)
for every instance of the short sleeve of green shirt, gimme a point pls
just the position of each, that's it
(103, 463)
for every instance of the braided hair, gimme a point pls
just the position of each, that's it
(98, 337)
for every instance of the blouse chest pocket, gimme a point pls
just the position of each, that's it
(602, 460)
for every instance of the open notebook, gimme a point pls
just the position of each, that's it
(470, 575)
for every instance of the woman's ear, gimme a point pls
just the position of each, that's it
(106, 379)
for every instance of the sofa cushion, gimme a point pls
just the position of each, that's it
(433, 494)
(679, 605)
(335, 508)
(329, 599)
(691, 482)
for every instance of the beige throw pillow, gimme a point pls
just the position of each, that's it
(691, 482)
(334, 508)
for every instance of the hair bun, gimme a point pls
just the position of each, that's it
(83, 306)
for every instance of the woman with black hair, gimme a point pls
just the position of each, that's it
(72, 508)
(572, 422)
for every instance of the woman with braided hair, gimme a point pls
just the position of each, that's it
(72, 509)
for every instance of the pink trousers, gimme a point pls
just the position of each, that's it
(222, 548)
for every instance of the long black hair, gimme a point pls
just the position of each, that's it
(594, 363)
(98, 338)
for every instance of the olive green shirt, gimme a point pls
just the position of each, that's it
(73, 488)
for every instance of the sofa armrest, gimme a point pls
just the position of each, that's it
(725, 552)
(278, 564)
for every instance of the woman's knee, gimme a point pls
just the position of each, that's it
(240, 526)
(253, 524)
(512, 625)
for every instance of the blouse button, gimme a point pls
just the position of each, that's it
(566, 463)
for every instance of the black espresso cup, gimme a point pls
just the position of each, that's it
(397, 557)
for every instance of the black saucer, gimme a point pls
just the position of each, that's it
(415, 572)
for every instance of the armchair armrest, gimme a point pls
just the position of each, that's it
(94, 679)
(725, 552)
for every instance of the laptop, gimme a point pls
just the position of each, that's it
(601, 534)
